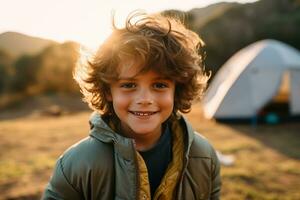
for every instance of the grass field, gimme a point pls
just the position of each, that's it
(267, 157)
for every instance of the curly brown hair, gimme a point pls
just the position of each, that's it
(156, 43)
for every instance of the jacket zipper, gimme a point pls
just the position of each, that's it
(137, 171)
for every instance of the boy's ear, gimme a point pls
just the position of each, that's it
(108, 96)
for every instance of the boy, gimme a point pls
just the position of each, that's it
(140, 147)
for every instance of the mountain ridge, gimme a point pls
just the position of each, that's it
(17, 44)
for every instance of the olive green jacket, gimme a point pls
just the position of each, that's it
(104, 166)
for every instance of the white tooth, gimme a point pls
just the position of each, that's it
(142, 114)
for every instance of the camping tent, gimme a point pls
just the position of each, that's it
(251, 78)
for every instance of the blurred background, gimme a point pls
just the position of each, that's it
(250, 112)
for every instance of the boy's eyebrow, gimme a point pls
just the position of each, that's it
(126, 78)
(163, 78)
(133, 78)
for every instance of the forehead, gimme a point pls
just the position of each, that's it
(130, 69)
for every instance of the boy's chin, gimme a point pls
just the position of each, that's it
(144, 130)
(135, 129)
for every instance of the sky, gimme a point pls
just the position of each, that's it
(84, 21)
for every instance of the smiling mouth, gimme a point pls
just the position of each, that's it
(142, 113)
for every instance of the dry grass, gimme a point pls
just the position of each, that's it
(29, 148)
(267, 157)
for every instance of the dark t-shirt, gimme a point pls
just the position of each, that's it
(158, 158)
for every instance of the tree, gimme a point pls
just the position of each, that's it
(5, 70)
(25, 72)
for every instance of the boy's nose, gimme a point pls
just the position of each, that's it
(144, 97)
(145, 102)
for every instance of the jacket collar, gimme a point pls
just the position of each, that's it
(103, 132)
(190, 134)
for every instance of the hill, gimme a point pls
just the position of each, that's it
(201, 16)
(17, 44)
(244, 24)
(228, 27)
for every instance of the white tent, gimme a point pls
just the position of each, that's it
(251, 78)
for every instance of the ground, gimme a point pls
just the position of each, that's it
(267, 157)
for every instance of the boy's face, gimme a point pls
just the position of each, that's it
(142, 102)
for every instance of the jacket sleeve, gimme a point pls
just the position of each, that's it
(59, 186)
(216, 177)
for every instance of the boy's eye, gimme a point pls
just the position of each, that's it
(160, 85)
(128, 85)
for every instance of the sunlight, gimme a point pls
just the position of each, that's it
(87, 22)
